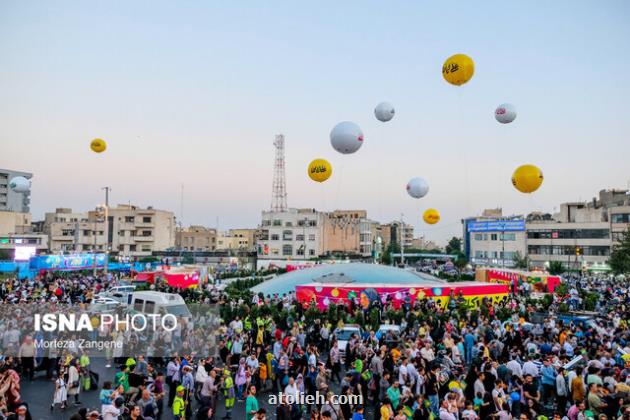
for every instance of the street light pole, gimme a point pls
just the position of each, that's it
(107, 190)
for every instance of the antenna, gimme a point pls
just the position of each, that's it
(279, 188)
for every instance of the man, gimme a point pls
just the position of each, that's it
(549, 374)
(148, 407)
(209, 389)
(358, 413)
(179, 405)
(562, 391)
(172, 378)
(228, 392)
(498, 395)
(595, 402)
(200, 377)
(251, 404)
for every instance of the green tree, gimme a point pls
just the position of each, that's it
(520, 261)
(620, 257)
(454, 246)
(556, 267)
(392, 248)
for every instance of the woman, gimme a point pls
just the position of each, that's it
(387, 412)
(240, 379)
(61, 392)
(315, 414)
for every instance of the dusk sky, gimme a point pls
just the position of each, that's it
(193, 93)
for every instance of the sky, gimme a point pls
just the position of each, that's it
(192, 93)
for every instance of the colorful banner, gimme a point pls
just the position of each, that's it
(68, 262)
(541, 281)
(324, 294)
(182, 280)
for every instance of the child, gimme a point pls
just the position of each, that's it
(469, 413)
(478, 401)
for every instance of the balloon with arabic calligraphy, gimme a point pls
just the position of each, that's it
(458, 69)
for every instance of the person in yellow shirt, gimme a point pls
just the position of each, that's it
(387, 412)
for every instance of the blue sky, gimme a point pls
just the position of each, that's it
(194, 92)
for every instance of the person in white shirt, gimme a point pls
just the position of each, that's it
(530, 368)
(291, 391)
(200, 376)
(515, 368)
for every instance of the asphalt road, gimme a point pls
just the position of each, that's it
(39, 394)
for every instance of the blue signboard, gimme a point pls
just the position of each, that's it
(497, 226)
(68, 262)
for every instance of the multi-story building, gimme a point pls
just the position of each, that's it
(342, 232)
(493, 239)
(16, 232)
(9, 199)
(237, 239)
(128, 230)
(422, 243)
(196, 238)
(295, 234)
(581, 234)
(392, 232)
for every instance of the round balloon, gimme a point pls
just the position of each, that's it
(346, 137)
(417, 187)
(515, 396)
(431, 216)
(458, 69)
(98, 145)
(527, 178)
(19, 184)
(319, 170)
(384, 111)
(505, 113)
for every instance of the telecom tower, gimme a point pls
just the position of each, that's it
(279, 189)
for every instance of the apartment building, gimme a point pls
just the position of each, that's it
(295, 234)
(237, 239)
(196, 238)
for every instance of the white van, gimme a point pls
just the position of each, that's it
(119, 293)
(150, 302)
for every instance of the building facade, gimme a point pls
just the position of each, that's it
(9, 199)
(392, 232)
(295, 234)
(16, 232)
(342, 232)
(237, 239)
(125, 230)
(493, 239)
(196, 238)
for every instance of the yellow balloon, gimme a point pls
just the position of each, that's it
(527, 178)
(335, 293)
(319, 170)
(431, 216)
(98, 145)
(458, 69)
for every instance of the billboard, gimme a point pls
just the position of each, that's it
(24, 253)
(68, 262)
(497, 226)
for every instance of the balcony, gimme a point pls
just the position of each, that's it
(140, 224)
(62, 238)
(143, 238)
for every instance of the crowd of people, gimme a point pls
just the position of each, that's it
(445, 363)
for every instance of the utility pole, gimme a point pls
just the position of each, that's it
(107, 190)
(402, 240)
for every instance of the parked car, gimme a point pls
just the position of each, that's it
(343, 336)
(389, 334)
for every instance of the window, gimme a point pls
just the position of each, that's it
(132, 248)
(300, 251)
(266, 222)
(312, 223)
(311, 237)
(311, 252)
(620, 218)
(149, 307)
(287, 235)
(146, 233)
(478, 237)
(277, 222)
(287, 250)
(146, 248)
(137, 304)
(146, 219)
(289, 224)
(299, 237)
(478, 254)
(508, 236)
(275, 237)
(493, 237)
(129, 219)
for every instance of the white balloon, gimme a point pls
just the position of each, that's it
(346, 137)
(505, 113)
(20, 184)
(417, 187)
(384, 111)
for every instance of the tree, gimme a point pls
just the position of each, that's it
(620, 257)
(454, 246)
(520, 261)
(392, 248)
(556, 267)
